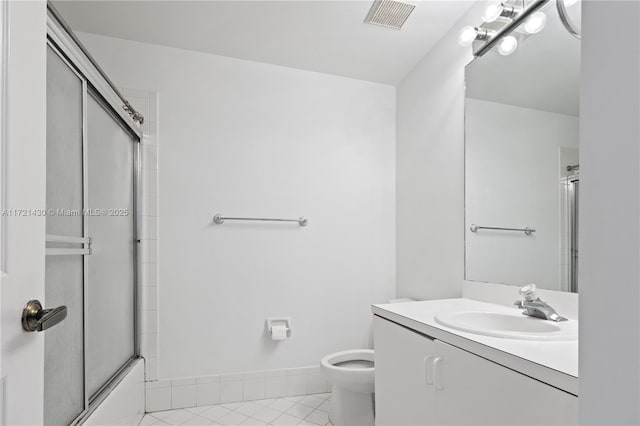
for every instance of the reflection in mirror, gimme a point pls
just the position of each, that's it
(522, 169)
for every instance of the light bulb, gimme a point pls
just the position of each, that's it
(569, 3)
(508, 45)
(535, 23)
(467, 36)
(493, 11)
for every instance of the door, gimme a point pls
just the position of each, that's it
(404, 382)
(471, 390)
(23, 178)
(68, 168)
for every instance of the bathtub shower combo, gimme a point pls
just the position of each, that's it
(91, 196)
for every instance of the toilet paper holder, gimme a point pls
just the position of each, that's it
(278, 322)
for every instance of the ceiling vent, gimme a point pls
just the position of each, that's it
(389, 13)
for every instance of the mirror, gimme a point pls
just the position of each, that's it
(522, 170)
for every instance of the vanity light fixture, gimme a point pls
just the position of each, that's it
(498, 9)
(469, 34)
(508, 45)
(535, 23)
(519, 20)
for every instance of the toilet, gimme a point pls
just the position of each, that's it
(352, 375)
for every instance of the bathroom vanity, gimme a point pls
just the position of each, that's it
(428, 373)
(467, 362)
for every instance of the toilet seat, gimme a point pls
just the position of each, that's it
(352, 375)
(355, 363)
(342, 368)
(353, 355)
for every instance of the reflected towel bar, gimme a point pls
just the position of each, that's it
(527, 230)
(219, 219)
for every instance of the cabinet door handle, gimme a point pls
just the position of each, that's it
(437, 373)
(428, 370)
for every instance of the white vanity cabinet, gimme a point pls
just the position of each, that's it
(473, 390)
(422, 381)
(404, 394)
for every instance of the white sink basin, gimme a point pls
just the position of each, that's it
(508, 326)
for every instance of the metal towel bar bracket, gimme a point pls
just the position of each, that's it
(219, 219)
(527, 230)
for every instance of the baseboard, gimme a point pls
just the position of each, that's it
(224, 388)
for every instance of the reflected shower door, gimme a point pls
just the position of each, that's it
(574, 198)
(111, 266)
(64, 397)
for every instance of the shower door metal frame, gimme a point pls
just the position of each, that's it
(91, 402)
(4, 60)
(104, 390)
(573, 194)
(85, 206)
(67, 44)
(570, 199)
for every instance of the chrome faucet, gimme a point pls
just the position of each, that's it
(534, 307)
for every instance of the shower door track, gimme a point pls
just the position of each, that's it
(77, 45)
(102, 393)
(67, 51)
(74, 54)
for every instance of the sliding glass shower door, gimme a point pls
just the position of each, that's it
(111, 269)
(569, 229)
(574, 227)
(64, 395)
(91, 244)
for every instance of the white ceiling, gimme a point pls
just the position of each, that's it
(323, 36)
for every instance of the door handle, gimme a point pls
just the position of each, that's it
(428, 376)
(437, 373)
(35, 318)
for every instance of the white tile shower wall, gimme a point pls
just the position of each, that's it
(247, 138)
(227, 388)
(146, 103)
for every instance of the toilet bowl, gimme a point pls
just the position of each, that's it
(352, 375)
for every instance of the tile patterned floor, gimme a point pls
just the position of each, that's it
(310, 410)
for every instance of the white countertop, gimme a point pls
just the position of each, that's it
(551, 362)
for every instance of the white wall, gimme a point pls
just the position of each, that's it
(513, 172)
(610, 214)
(243, 138)
(430, 170)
